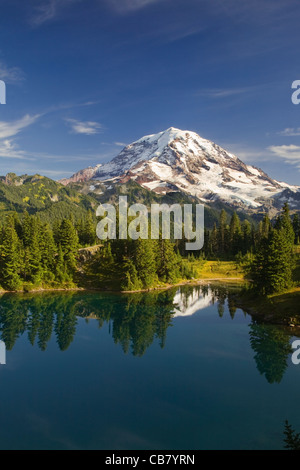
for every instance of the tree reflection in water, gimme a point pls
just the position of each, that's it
(135, 320)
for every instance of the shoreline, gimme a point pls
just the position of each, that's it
(264, 309)
(279, 309)
(193, 282)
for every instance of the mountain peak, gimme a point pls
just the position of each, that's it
(168, 135)
(182, 161)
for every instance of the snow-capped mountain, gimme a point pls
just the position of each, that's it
(187, 305)
(176, 160)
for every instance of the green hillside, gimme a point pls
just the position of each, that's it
(38, 194)
(51, 200)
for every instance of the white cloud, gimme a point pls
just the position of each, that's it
(120, 144)
(9, 149)
(9, 129)
(10, 74)
(290, 132)
(289, 153)
(87, 127)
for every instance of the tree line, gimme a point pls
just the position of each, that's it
(233, 238)
(35, 254)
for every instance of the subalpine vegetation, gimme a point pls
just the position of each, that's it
(268, 250)
(35, 254)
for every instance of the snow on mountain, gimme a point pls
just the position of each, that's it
(176, 160)
(186, 306)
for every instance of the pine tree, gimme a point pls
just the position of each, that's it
(266, 226)
(132, 281)
(272, 266)
(68, 240)
(61, 274)
(247, 236)
(26, 231)
(167, 261)
(213, 242)
(296, 227)
(48, 251)
(222, 233)
(89, 230)
(286, 224)
(10, 257)
(35, 266)
(235, 234)
(292, 439)
(145, 262)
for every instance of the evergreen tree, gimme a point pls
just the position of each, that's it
(266, 226)
(213, 242)
(291, 439)
(222, 233)
(286, 224)
(68, 240)
(61, 274)
(235, 234)
(35, 267)
(132, 281)
(145, 261)
(86, 229)
(247, 236)
(48, 251)
(272, 265)
(167, 261)
(10, 257)
(296, 227)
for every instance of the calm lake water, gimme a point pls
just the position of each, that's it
(181, 369)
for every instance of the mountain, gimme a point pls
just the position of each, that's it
(52, 201)
(38, 194)
(187, 304)
(182, 161)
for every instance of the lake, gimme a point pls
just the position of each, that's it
(165, 370)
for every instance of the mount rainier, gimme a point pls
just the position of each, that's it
(181, 161)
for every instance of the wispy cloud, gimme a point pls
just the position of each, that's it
(48, 10)
(127, 6)
(9, 129)
(10, 74)
(290, 132)
(8, 147)
(289, 153)
(227, 92)
(120, 144)
(87, 127)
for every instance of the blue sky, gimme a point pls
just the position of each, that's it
(86, 77)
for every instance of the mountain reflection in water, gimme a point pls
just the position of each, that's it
(135, 320)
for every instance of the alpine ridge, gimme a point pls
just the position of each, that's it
(182, 161)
